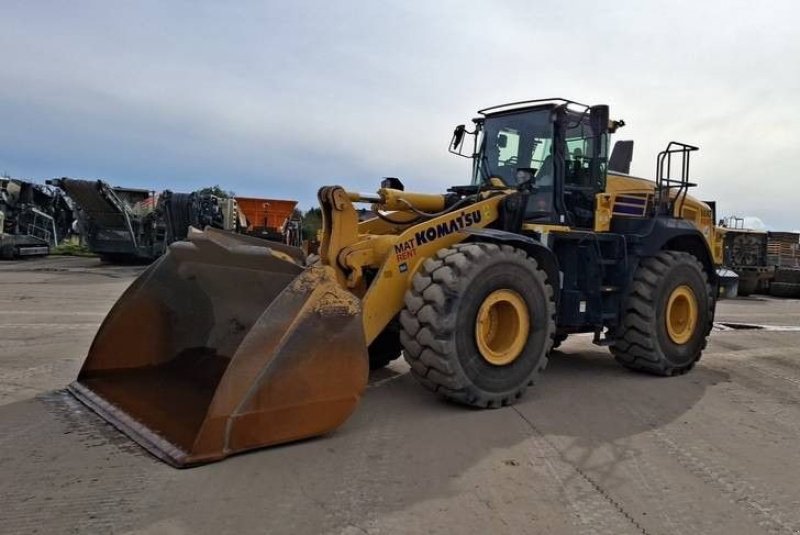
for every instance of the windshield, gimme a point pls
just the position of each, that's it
(516, 148)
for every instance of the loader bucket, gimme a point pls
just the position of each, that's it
(224, 345)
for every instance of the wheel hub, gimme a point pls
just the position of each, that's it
(502, 327)
(681, 316)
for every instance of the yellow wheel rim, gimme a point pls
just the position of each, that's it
(681, 314)
(502, 327)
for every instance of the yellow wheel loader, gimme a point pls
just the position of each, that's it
(229, 343)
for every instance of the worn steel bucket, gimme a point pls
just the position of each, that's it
(226, 344)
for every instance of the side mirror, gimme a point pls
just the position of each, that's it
(458, 137)
(502, 141)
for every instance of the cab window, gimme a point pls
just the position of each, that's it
(516, 148)
(580, 154)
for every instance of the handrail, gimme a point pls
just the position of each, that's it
(664, 181)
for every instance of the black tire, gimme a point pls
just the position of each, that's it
(784, 289)
(642, 342)
(787, 275)
(438, 323)
(747, 286)
(385, 348)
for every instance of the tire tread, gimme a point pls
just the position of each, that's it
(636, 347)
(426, 326)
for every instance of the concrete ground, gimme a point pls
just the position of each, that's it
(592, 449)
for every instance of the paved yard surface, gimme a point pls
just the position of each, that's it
(592, 449)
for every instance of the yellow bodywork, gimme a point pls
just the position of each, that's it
(391, 251)
(620, 188)
(376, 259)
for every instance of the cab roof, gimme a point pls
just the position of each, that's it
(530, 104)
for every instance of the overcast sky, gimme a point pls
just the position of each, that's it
(279, 98)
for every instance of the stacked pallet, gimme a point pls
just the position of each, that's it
(783, 249)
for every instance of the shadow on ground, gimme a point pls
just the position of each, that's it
(402, 446)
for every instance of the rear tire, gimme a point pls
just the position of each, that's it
(441, 323)
(644, 341)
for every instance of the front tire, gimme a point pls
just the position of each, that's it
(667, 315)
(478, 323)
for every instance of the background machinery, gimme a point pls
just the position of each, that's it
(765, 261)
(229, 343)
(33, 218)
(745, 252)
(271, 219)
(783, 252)
(136, 225)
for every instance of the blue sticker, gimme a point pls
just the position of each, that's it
(403, 267)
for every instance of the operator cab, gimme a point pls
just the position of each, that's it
(555, 150)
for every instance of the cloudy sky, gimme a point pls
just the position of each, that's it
(278, 98)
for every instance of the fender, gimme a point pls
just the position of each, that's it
(536, 249)
(678, 235)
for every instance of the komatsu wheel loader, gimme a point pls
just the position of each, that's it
(228, 343)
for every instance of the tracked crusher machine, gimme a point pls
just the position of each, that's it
(229, 343)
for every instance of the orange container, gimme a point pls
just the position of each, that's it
(265, 213)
